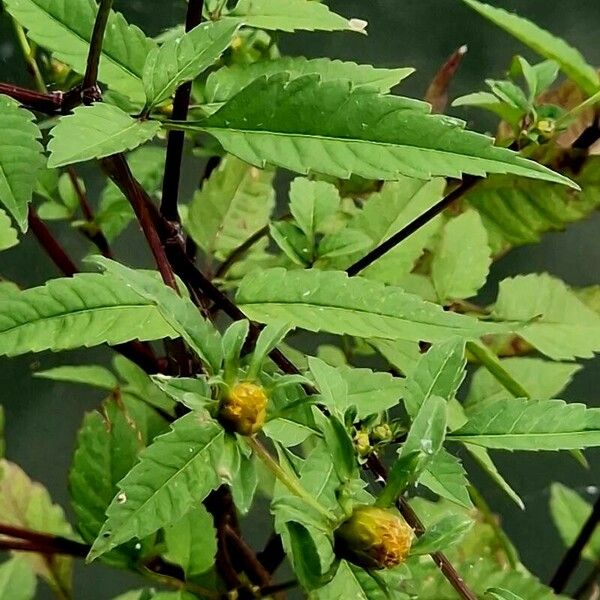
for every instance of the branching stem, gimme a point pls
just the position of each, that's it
(90, 92)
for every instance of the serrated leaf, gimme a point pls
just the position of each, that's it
(108, 445)
(541, 378)
(352, 582)
(244, 484)
(342, 243)
(65, 28)
(93, 375)
(304, 555)
(547, 45)
(403, 473)
(179, 312)
(191, 541)
(8, 235)
(517, 424)
(17, 580)
(501, 594)
(174, 473)
(235, 202)
(21, 159)
(331, 384)
(228, 81)
(340, 446)
(331, 128)
(437, 373)
(561, 327)
(25, 503)
(444, 533)
(184, 58)
(446, 477)
(332, 301)
(517, 211)
(289, 15)
(387, 212)
(462, 259)
(569, 513)
(84, 310)
(115, 212)
(97, 131)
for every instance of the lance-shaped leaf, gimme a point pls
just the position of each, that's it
(20, 159)
(107, 449)
(17, 580)
(332, 301)
(353, 582)
(65, 28)
(446, 477)
(517, 424)
(235, 202)
(462, 259)
(291, 15)
(93, 375)
(561, 327)
(179, 312)
(184, 58)
(25, 503)
(307, 125)
(95, 132)
(228, 81)
(446, 532)
(569, 513)
(85, 310)
(544, 43)
(173, 474)
(517, 211)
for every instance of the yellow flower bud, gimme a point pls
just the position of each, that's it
(374, 538)
(362, 444)
(382, 433)
(243, 409)
(546, 127)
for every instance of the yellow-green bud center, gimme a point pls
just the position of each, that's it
(243, 409)
(362, 443)
(374, 538)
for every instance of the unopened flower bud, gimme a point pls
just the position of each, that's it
(243, 409)
(382, 433)
(374, 538)
(546, 127)
(362, 443)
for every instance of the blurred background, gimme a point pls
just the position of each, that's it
(43, 417)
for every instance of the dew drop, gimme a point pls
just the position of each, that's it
(122, 498)
(591, 489)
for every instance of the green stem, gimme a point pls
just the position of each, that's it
(490, 361)
(29, 57)
(577, 110)
(289, 480)
(492, 521)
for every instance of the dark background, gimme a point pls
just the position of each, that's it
(42, 418)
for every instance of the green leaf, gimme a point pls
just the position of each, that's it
(547, 45)
(332, 301)
(8, 235)
(444, 533)
(445, 476)
(234, 203)
(306, 125)
(17, 580)
(179, 312)
(243, 485)
(404, 472)
(569, 513)
(173, 474)
(228, 81)
(561, 327)
(66, 29)
(267, 341)
(340, 446)
(115, 212)
(84, 310)
(312, 203)
(516, 211)
(387, 212)
(501, 594)
(20, 160)
(93, 375)
(517, 424)
(95, 132)
(427, 431)
(304, 555)
(331, 384)
(541, 378)
(461, 262)
(488, 101)
(191, 541)
(342, 243)
(352, 582)
(291, 15)
(438, 373)
(108, 445)
(27, 504)
(184, 58)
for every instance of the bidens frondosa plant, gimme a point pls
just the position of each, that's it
(213, 413)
